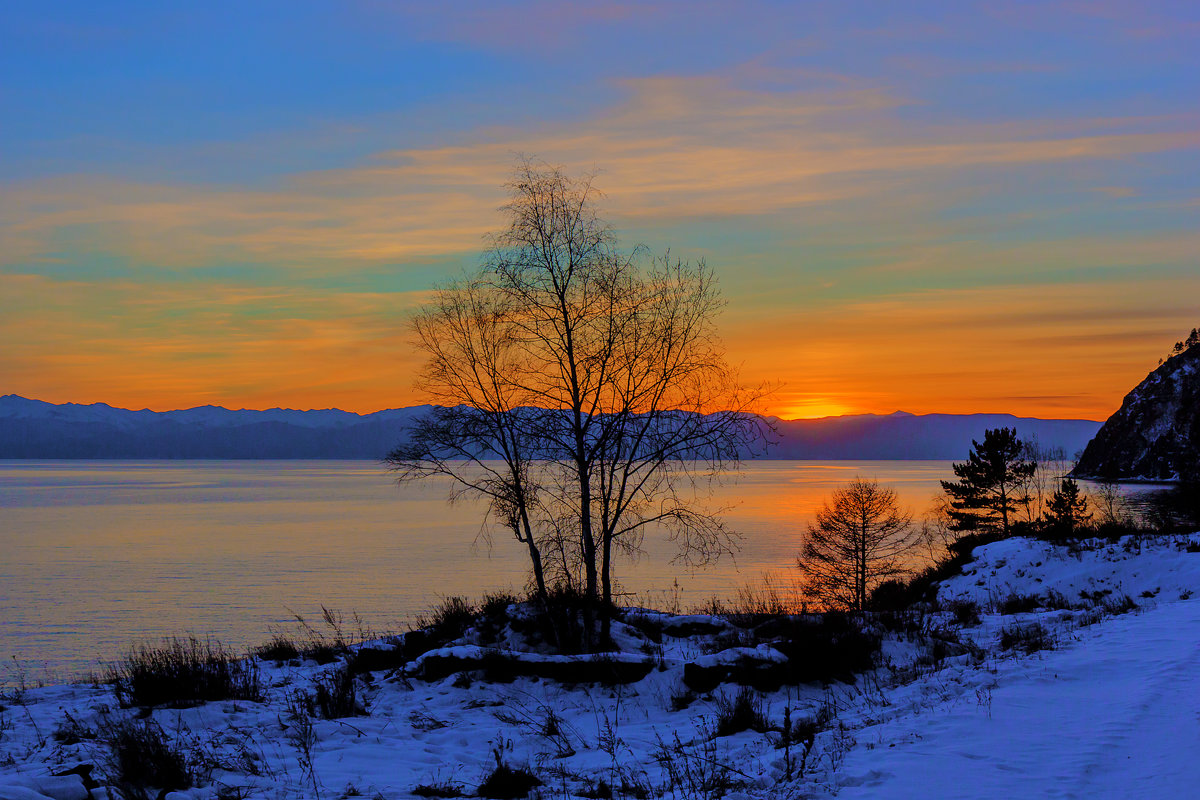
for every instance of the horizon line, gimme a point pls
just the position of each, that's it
(896, 413)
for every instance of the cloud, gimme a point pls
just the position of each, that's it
(674, 149)
(172, 346)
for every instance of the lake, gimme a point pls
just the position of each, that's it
(97, 555)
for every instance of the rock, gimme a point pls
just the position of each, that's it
(1156, 433)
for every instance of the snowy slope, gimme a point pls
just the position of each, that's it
(1108, 710)
(1113, 713)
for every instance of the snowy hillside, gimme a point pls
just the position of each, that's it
(1042, 671)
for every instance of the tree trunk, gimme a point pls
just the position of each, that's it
(588, 542)
(535, 557)
(606, 585)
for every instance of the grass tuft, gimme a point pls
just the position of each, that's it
(142, 762)
(184, 672)
(740, 712)
(1026, 638)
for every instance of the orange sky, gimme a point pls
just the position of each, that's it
(933, 208)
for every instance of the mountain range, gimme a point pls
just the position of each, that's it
(33, 429)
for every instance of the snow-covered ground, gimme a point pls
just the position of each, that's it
(1088, 698)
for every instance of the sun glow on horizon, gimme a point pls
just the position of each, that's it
(813, 408)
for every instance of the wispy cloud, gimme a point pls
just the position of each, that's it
(674, 149)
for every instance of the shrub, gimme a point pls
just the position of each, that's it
(1057, 600)
(378, 659)
(830, 647)
(966, 612)
(558, 620)
(336, 695)
(681, 698)
(740, 712)
(495, 605)
(758, 603)
(1026, 638)
(1119, 605)
(71, 731)
(695, 770)
(142, 760)
(506, 783)
(183, 672)
(891, 595)
(923, 586)
(329, 643)
(1019, 604)
(449, 619)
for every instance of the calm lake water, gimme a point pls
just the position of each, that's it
(97, 555)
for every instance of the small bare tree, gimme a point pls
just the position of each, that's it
(1050, 466)
(861, 537)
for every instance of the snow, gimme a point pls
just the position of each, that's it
(1110, 711)
(1110, 715)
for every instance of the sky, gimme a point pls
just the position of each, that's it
(933, 207)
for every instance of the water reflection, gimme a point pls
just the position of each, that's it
(98, 554)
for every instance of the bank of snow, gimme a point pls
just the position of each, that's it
(1109, 711)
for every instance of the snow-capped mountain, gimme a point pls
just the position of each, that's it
(1156, 432)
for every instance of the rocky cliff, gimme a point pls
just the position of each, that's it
(1156, 432)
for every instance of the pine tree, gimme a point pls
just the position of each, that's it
(989, 487)
(1067, 510)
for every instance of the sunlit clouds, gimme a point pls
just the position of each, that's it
(886, 238)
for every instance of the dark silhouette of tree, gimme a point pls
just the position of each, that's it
(1067, 510)
(596, 378)
(481, 438)
(861, 537)
(1192, 340)
(1050, 466)
(989, 489)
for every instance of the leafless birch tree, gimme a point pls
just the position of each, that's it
(594, 375)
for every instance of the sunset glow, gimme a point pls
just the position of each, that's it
(930, 208)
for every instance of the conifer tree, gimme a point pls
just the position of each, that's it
(988, 490)
(1067, 509)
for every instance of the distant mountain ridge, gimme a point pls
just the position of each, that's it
(901, 435)
(34, 429)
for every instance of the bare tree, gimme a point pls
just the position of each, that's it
(1050, 466)
(480, 439)
(1110, 501)
(594, 375)
(861, 537)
